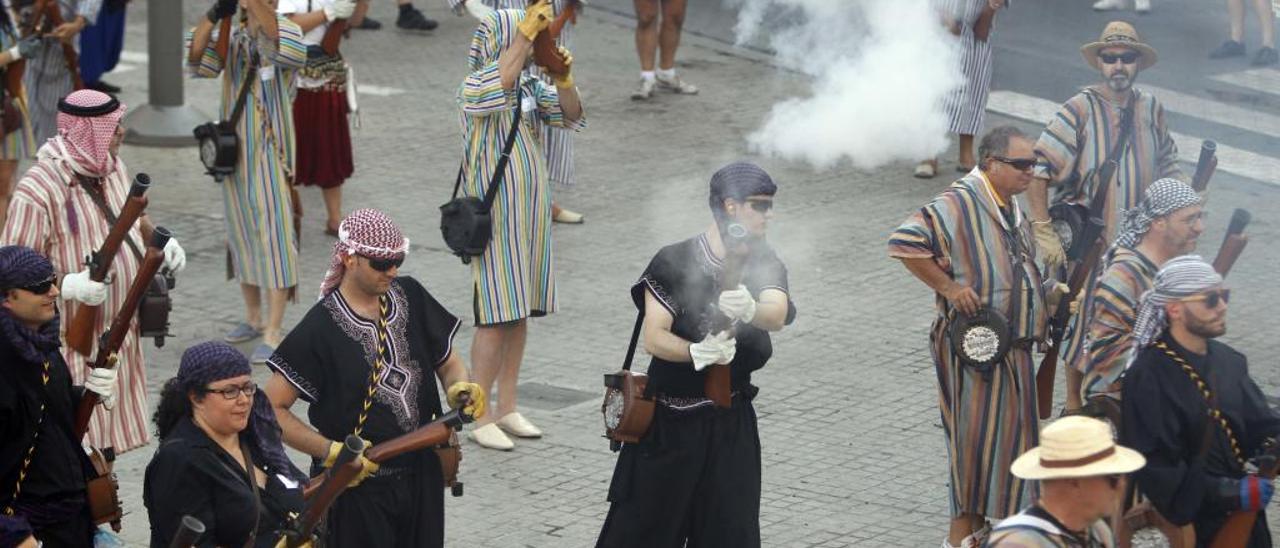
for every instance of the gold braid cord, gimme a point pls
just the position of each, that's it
(376, 374)
(31, 452)
(1208, 398)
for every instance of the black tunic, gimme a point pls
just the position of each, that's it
(1165, 417)
(328, 358)
(191, 474)
(54, 489)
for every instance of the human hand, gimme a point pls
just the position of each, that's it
(537, 17)
(341, 9)
(963, 298)
(1053, 297)
(565, 79)
(78, 287)
(997, 4)
(175, 259)
(738, 304)
(69, 29)
(222, 9)
(713, 349)
(475, 404)
(1247, 494)
(102, 381)
(1050, 246)
(367, 468)
(26, 48)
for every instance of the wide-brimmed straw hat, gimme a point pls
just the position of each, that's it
(1119, 33)
(1076, 447)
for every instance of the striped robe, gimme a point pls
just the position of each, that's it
(987, 423)
(20, 144)
(967, 105)
(557, 143)
(1113, 310)
(1074, 145)
(47, 78)
(256, 199)
(513, 278)
(58, 219)
(1027, 531)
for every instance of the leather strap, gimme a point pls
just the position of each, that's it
(249, 77)
(635, 338)
(500, 168)
(93, 187)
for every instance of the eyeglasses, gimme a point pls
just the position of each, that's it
(40, 288)
(1020, 164)
(1128, 57)
(383, 265)
(233, 392)
(1210, 298)
(762, 206)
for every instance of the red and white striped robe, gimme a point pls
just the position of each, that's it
(53, 215)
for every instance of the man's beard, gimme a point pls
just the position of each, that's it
(1201, 328)
(1120, 82)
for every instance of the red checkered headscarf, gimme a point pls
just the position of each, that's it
(86, 125)
(367, 232)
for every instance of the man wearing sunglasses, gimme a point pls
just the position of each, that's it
(369, 358)
(1072, 150)
(1191, 408)
(1166, 224)
(973, 246)
(42, 466)
(64, 207)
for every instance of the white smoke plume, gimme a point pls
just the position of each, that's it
(881, 70)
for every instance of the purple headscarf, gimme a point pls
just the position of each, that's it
(20, 267)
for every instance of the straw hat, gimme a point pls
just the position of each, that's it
(1119, 33)
(1076, 447)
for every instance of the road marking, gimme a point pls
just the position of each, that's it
(1231, 160)
(1266, 80)
(135, 57)
(122, 68)
(1214, 111)
(380, 91)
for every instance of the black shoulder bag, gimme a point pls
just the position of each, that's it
(465, 221)
(219, 144)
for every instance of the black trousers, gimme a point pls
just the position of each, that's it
(75, 532)
(405, 510)
(693, 482)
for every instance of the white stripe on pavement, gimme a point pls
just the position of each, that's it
(123, 67)
(1214, 111)
(136, 57)
(1231, 160)
(380, 91)
(1266, 80)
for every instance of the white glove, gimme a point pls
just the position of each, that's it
(714, 349)
(78, 287)
(102, 381)
(341, 9)
(175, 259)
(738, 304)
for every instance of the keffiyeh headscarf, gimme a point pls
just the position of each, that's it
(366, 232)
(20, 267)
(496, 31)
(87, 122)
(1178, 279)
(1161, 198)
(212, 361)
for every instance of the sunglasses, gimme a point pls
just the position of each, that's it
(1020, 164)
(233, 392)
(1211, 298)
(41, 287)
(762, 206)
(1128, 57)
(383, 265)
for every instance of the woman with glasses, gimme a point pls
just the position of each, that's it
(220, 458)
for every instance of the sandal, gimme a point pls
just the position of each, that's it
(927, 169)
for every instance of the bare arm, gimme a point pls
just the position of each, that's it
(200, 39)
(452, 371)
(264, 18)
(658, 338)
(309, 20)
(570, 104)
(771, 310)
(297, 434)
(962, 297)
(1038, 199)
(512, 61)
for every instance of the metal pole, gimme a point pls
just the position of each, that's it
(165, 120)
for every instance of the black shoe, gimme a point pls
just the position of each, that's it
(1265, 57)
(1230, 48)
(108, 88)
(412, 19)
(369, 23)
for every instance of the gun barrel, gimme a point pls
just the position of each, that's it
(141, 183)
(1240, 219)
(188, 532)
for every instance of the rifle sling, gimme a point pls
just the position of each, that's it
(93, 187)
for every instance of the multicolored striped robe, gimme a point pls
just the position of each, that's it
(51, 213)
(20, 144)
(47, 77)
(513, 278)
(1026, 531)
(1111, 309)
(256, 198)
(1077, 140)
(987, 422)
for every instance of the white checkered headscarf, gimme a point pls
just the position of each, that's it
(1178, 279)
(1163, 197)
(366, 232)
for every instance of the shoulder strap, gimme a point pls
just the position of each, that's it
(249, 77)
(1215, 414)
(99, 199)
(635, 338)
(31, 451)
(1111, 163)
(257, 498)
(500, 168)
(375, 374)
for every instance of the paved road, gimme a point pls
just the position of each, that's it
(853, 450)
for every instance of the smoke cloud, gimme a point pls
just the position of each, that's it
(881, 70)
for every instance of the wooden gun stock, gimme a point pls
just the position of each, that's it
(80, 329)
(545, 53)
(50, 13)
(717, 383)
(1238, 528)
(114, 337)
(331, 484)
(188, 532)
(1234, 242)
(333, 36)
(1205, 166)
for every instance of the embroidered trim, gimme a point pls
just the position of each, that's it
(278, 364)
(398, 385)
(658, 292)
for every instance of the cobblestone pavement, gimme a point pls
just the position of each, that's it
(852, 446)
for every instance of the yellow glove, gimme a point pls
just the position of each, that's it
(1054, 297)
(537, 17)
(564, 80)
(367, 468)
(335, 447)
(476, 399)
(1050, 245)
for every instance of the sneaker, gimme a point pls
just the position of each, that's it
(515, 424)
(645, 90)
(412, 19)
(368, 23)
(676, 85)
(489, 436)
(1230, 48)
(1265, 57)
(242, 333)
(1108, 5)
(564, 216)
